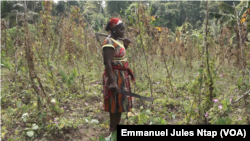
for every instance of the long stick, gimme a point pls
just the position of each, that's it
(106, 35)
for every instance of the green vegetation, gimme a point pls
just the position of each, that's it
(197, 67)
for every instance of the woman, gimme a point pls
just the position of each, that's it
(116, 74)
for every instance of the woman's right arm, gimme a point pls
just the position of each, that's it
(108, 54)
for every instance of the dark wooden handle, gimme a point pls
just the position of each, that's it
(106, 35)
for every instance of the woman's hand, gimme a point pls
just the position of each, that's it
(113, 86)
(126, 42)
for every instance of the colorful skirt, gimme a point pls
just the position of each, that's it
(115, 102)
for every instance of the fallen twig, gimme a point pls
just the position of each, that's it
(235, 102)
(240, 97)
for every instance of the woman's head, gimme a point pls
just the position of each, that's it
(116, 27)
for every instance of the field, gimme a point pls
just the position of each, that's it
(51, 76)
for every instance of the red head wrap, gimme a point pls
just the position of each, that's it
(114, 22)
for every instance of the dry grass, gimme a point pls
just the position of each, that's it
(73, 46)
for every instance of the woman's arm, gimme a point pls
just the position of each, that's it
(126, 42)
(108, 54)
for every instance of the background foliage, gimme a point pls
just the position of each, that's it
(197, 66)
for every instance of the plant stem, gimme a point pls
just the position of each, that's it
(84, 91)
(207, 55)
(202, 63)
(169, 75)
(240, 40)
(243, 62)
(144, 50)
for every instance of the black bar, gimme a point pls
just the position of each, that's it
(163, 132)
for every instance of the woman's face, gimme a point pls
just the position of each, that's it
(120, 30)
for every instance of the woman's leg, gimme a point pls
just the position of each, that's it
(111, 122)
(117, 119)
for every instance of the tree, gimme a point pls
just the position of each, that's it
(117, 7)
(231, 2)
(245, 18)
(75, 3)
(229, 20)
(82, 5)
(60, 7)
(241, 4)
(174, 14)
(6, 7)
(93, 12)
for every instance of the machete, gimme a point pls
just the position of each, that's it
(134, 95)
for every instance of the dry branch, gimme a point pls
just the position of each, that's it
(248, 92)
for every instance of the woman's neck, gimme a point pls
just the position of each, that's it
(114, 37)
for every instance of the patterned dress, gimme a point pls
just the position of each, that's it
(115, 102)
